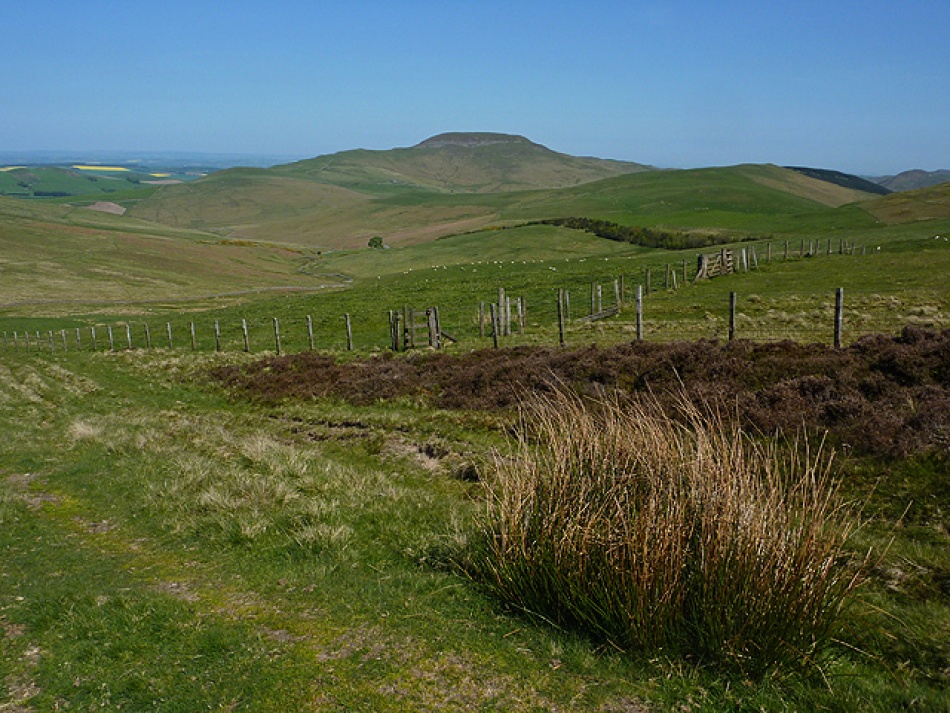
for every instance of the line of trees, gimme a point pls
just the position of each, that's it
(636, 235)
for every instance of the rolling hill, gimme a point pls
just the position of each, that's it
(454, 183)
(845, 180)
(59, 255)
(912, 206)
(458, 163)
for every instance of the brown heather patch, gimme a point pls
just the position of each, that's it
(882, 395)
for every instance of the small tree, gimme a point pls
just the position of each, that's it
(376, 242)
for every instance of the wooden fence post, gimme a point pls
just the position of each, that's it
(519, 304)
(433, 336)
(839, 315)
(501, 311)
(349, 332)
(600, 299)
(507, 316)
(148, 337)
(617, 294)
(247, 341)
(217, 336)
(111, 338)
(168, 329)
(560, 316)
(194, 341)
(63, 334)
(494, 324)
(128, 335)
(277, 335)
(768, 252)
(639, 312)
(310, 329)
(732, 316)
(95, 347)
(567, 305)
(786, 250)
(593, 299)
(51, 340)
(745, 260)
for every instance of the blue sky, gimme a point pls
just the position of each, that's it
(862, 87)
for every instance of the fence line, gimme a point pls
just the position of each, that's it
(403, 330)
(502, 318)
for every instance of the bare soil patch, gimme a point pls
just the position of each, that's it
(108, 207)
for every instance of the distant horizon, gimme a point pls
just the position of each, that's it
(230, 159)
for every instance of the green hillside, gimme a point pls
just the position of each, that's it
(67, 257)
(81, 180)
(912, 206)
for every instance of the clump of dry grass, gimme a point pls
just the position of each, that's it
(671, 532)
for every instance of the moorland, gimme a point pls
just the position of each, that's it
(192, 521)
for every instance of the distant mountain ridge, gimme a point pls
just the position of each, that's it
(913, 179)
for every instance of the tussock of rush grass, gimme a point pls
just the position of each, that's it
(668, 533)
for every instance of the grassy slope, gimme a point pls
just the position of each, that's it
(58, 254)
(911, 206)
(265, 205)
(501, 167)
(903, 283)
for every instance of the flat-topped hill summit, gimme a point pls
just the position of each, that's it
(474, 140)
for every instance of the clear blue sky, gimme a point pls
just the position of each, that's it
(861, 86)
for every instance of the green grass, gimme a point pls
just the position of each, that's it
(884, 290)
(42, 180)
(55, 258)
(169, 549)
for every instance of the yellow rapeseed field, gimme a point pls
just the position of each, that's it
(80, 167)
